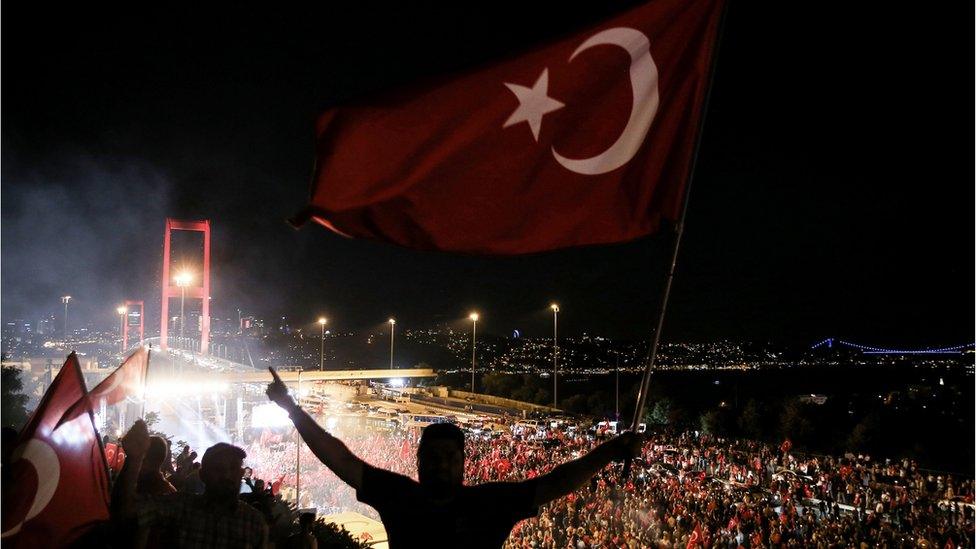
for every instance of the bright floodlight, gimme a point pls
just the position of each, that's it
(392, 321)
(65, 299)
(474, 317)
(120, 310)
(322, 320)
(396, 382)
(554, 307)
(269, 415)
(183, 278)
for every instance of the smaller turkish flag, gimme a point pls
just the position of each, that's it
(405, 450)
(58, 486)
(696, 537)
(129, 379)
(115, 456)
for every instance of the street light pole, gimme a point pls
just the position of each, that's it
(555, 354)
(392, 331)
(121, 311)
(298, 446)
(182, 280)
(182, 300)
(65, 300)
(322, 321)
(616, 406)
(474, 343)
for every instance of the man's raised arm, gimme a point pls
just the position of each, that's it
(571, 475)
(136, 444)
(330, 450)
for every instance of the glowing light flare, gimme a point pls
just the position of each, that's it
(183, 278)
(73, 433)
(323, 320)
(164, 389)
(120, 309)
(474, 316)
(396, 382)
(269, 415)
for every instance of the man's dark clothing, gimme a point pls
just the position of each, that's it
(479, 516)
(188, 521)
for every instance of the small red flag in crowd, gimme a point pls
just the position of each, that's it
(586, 140)
(58, 484)
(115, 456)
(695, 539)
(128, 380)
(405, 450)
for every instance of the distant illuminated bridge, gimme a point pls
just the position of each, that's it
(867, 349)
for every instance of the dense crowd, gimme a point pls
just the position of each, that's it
(691, 490)
(697, 491)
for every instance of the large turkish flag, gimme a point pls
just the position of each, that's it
(586, 140)
(57, 487)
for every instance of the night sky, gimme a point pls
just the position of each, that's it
(834, 192)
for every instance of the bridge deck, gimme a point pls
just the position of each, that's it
(327, 375)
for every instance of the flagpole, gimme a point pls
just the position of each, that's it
(679, 231)
(145, 381)
(91, 417)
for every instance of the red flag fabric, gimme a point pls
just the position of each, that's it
(405, 450)
(695, 539)
(276, 485)
(58, 487)
(127, 380)
(586, 140)
(114, 456)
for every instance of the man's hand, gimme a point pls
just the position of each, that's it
(278, 393)
(628, 444)
(136, 441)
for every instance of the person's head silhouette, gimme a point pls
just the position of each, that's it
(221, 471)
(440, 458)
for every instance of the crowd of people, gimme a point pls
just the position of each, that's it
(698, 491)
(688, 490)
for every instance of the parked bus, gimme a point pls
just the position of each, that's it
(421, 420)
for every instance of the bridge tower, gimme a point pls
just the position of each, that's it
(202, 292)
(125, 323)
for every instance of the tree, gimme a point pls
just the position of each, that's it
(13, 399)
(865, 435)
(575, 404)
(751, 420)
(329, 535)
(795, 423)
(661, 413)
(716, 421)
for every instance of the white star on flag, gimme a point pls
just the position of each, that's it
(534, 103)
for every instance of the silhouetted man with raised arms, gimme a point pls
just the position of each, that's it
(440, 511)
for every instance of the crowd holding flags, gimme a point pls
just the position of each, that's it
(57, 488)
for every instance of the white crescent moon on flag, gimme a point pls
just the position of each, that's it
(643, 83)
(48, 468)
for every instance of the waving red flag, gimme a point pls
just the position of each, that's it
(128, 380)
(58, 487)
(586, 140)
(696, 538)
